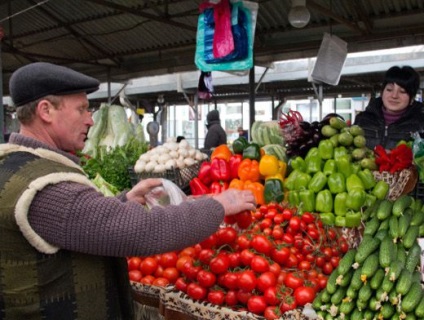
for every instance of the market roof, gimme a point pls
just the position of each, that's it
(124, 39)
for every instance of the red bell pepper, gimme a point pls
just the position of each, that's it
(235, 161)
(205, 173)
(197, 187)
(218, 186)
(220, 170)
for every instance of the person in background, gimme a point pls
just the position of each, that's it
(216, 134)
(396, 114)
(179, 138)
(242, 133)
(63, 245)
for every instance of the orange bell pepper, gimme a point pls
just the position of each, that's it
(222, 152)
(249, 170)
(236, 184)
(257, 189)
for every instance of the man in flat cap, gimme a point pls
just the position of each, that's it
(62, 243)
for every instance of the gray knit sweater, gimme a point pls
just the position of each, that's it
(76, 217)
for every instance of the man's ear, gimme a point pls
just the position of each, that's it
(44, 109)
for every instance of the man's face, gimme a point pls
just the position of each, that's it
(71, 121)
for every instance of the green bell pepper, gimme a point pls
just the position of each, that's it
(324, 201)
(239, 145)
(344, 165)
(290, 180)
(313, 164)
(293, 198)
(356, 167)
(353, 219)
(380, 189)
(307, 200)
(325, 149)
(298, 163)
(312, 153)
(367, 178)
(327, 218)
(273, 191)
(340, 221)
(302, 181)
(353, 181)
(317, 182)
(355, 199)
(329, 167)
(252, 151)
(340, 208)
(336, 182)
(370, 199)
(339, 151)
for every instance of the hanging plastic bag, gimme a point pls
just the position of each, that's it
(239, 27)
(205, 87)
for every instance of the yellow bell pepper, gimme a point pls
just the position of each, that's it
(268, 165)
(282, 168)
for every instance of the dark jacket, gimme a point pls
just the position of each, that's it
(216, 134)
(376, 130)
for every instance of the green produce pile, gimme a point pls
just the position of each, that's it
(335, 178)
(381, 278)
(112, 164)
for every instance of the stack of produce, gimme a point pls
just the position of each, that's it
(381, 278)
(335, 178)
(275, 267)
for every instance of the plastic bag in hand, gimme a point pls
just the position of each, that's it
(166, 194)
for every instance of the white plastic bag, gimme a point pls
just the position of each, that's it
(166, 194)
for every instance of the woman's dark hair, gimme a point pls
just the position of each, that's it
(405, 77)
(179, 138)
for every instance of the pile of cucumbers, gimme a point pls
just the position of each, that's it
(381, 278)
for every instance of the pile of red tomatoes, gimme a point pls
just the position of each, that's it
(280, 262)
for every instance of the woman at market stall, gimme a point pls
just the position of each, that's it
(396, 114)
(62, 243)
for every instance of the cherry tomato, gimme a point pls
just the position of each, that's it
(189, 251)
(266, 280)
(134, 263)
(271, 213)
(256, 304)
(247, 280)
(278, 219)
(183, 262)
(327, 268)
(231, 298)
(171, 273)
(229, 280)
(159, 271)
(160, 282)
(216, 297)
(291, 261)
(304, 265)
(294, 223)
(244, 219)
(271, 313)
(261, 244)
(196, 292)
(209, 242)
(280, 255)
(275, 268)
(206, 255)
(287, 214)
(277, 232)
(181, 284)
(259, 264)
(168, 259)
(304, 295)
(308, 217)
(265, 223)
(148, 265)
(243, 296)
(293, 280)
(206, 278)
(147, 279)
(135, 275)
(219, 264)
(287, 238)
(246, 257)
(335, 261)
(288, 303)
(271, 296)
(226, 235)
(234, 258)
(243, 242)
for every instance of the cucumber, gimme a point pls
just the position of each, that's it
(417, 204)
(394, 227)
(384, 225)
(400, 204)
(412, 298)
(361, 304)
(365, 248)
(325, 296)
(395, 269)
(401, 254)
(387, 310)
(357, 315)
(419, 310)
(418, 218)
(356, 282)
(386, 251)
(346, 307)
(345, 263)
(351, 292)
(374, 304)
(410, 236)
(332, 282)
(365, 293)
(369, 315)
(387, 284)
(413, 258)
(394, 297)
(404, 282)
(377, 279)
(381, 234)
(384, 210)
(344, 281)
(370, 266)
(338, 296)
(404, 222)
(372, 226)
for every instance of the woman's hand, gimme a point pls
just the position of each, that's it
(138, 192)
(235, 201)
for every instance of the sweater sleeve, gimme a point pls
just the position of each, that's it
(78, 218)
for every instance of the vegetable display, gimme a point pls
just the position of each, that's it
(381, 278)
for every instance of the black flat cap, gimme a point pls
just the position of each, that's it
(40, 79)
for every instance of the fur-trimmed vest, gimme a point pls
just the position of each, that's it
(37, 279)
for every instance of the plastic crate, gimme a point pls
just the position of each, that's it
(181, 177)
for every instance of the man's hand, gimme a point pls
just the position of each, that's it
(235, 201)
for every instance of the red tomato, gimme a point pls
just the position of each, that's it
(196, 292)
(271, 213)
(216, 297)
(304, 265)
(294, 223)
(226, 235)
(189, 251)
(271, 313)
(234, 259)
(244, 219)
(148, 265)
(275, 268)
(159, 271)
(181, 284)
(171, 273)
(135, 275)
(322, 281)
(293, 280)
(259, 264)
(265, 223)
(261, 244)
(335, 261)
(160, 282)
(304, 295)
(308, 217)
(231, 298)
(278, 219)
(287, 214)
(206, 278)
(344, 247)
(206, 255)
(134, 263)
(192, 271)
(313, 233)
(243, 242)
(287, 238)
(327, 268)
(271, 296)
(209, 242)
(147, 279)
(288, 303)
(168, 259)
(328, 253)
(281, 277)
(320, 261)
(184, 262)
(277, 232)
(247, 280)
(256, 304)
(266, 280)
(246, 257)
(229, 280)
(219, 264)
(291, 261)
(243, 296)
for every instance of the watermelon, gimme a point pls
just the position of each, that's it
(277, 150)
(266, 132)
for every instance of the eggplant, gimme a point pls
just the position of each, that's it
(305, 125)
